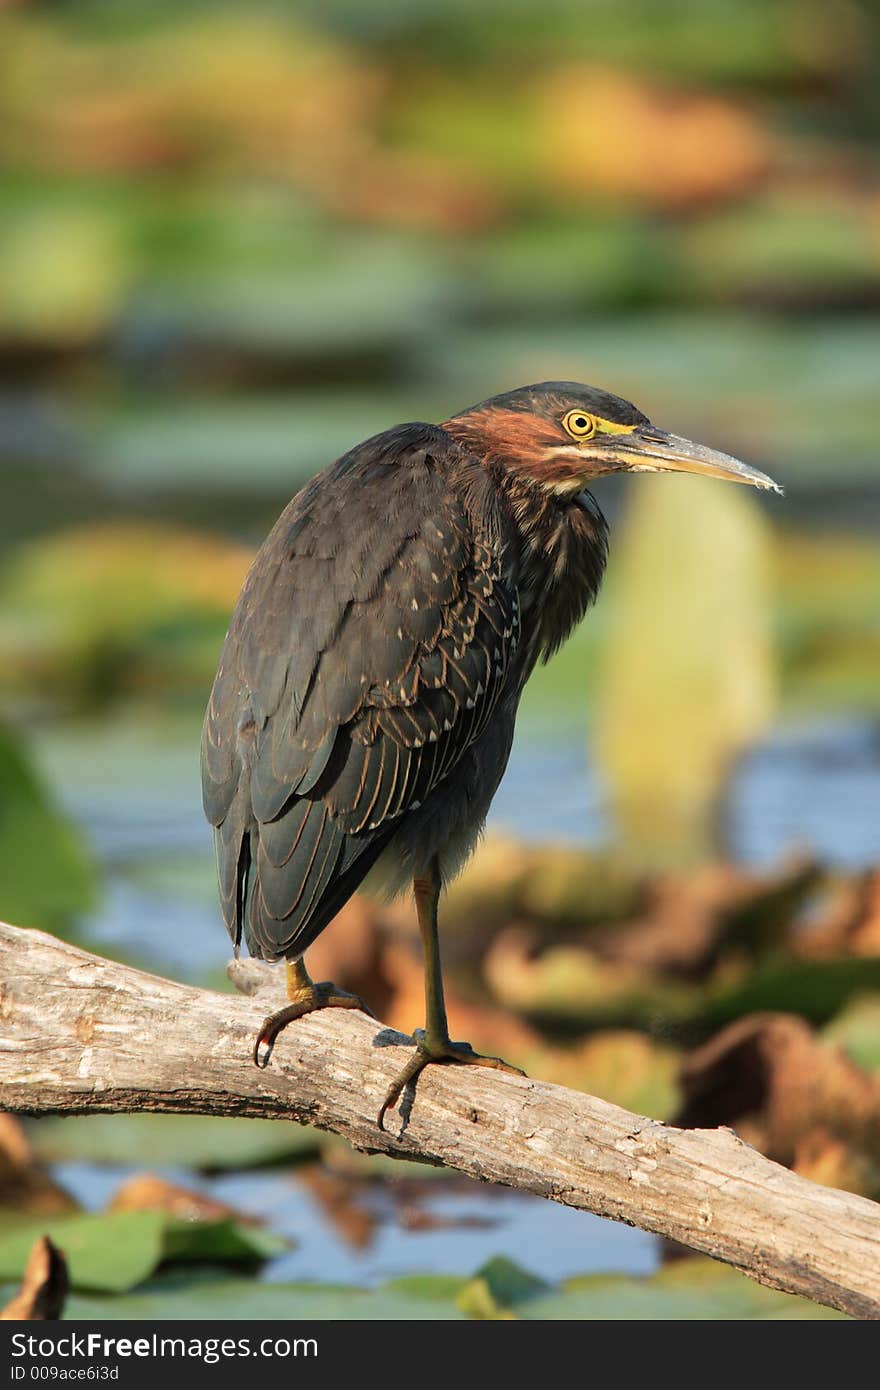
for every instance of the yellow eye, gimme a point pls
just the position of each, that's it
(579, 425)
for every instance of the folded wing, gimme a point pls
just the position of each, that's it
(367, 651)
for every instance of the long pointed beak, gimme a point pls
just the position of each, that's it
(650, 450)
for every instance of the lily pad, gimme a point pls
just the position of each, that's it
(206, 1142)
(111, 1253)
(690, 1290)
(209, 1295)
(497, 1288)
(603, 995)
(45, 869)
(219, 1242)
(116, 1251)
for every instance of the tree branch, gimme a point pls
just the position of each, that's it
(81, 1034)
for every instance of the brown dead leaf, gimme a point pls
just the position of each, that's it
(303, 109)
(676, 925)
(338, 1197)
(562, 888)
(44, 1286)
(824, 1157)
(568, 980)
(680, 931)
(620, 1065)
(24, 1183)
(850, 924)
(771, 1079)
(689, 920)
(619, 136)
(146, 1192)
(414, 1217)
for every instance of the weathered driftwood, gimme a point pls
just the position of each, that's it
(83, 1034)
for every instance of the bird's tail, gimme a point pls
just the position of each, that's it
(232, 847)
(316, 884)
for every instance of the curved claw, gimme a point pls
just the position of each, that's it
(416, 1064)
(321, 996)
(272, 1026)
(461, 1053)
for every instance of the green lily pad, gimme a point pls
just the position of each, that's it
(498, 1287)
(111, 1253)
(210, 1295)
(695, 1288)
(220, 1242)
(46, 874)
(755, 245)
(428, 1286)
(206, 1142)
(689, 1290)
(116, 1251)
(817, 990)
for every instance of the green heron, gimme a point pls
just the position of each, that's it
(363, 709)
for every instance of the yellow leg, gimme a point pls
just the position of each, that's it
(433, 1043)
(305, 998)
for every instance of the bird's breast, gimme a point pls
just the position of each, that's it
(563, 550)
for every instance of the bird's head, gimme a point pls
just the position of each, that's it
(561, 435)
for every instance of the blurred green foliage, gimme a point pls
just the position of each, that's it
(353, 178)
(104, 612)
(46, 872)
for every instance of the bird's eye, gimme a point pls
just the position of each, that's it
(579, 425)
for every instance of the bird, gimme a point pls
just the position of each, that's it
(363, 709)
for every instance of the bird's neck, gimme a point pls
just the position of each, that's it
(563, 546)
(561, 541)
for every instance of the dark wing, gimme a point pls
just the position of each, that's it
(367, 651)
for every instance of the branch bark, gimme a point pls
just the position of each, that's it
(80, 1034)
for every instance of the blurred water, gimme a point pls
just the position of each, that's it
(815, 786)
(430, 1226)
(811, 786)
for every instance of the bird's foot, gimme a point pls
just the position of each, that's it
(306, 1000)
(442, 1051)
